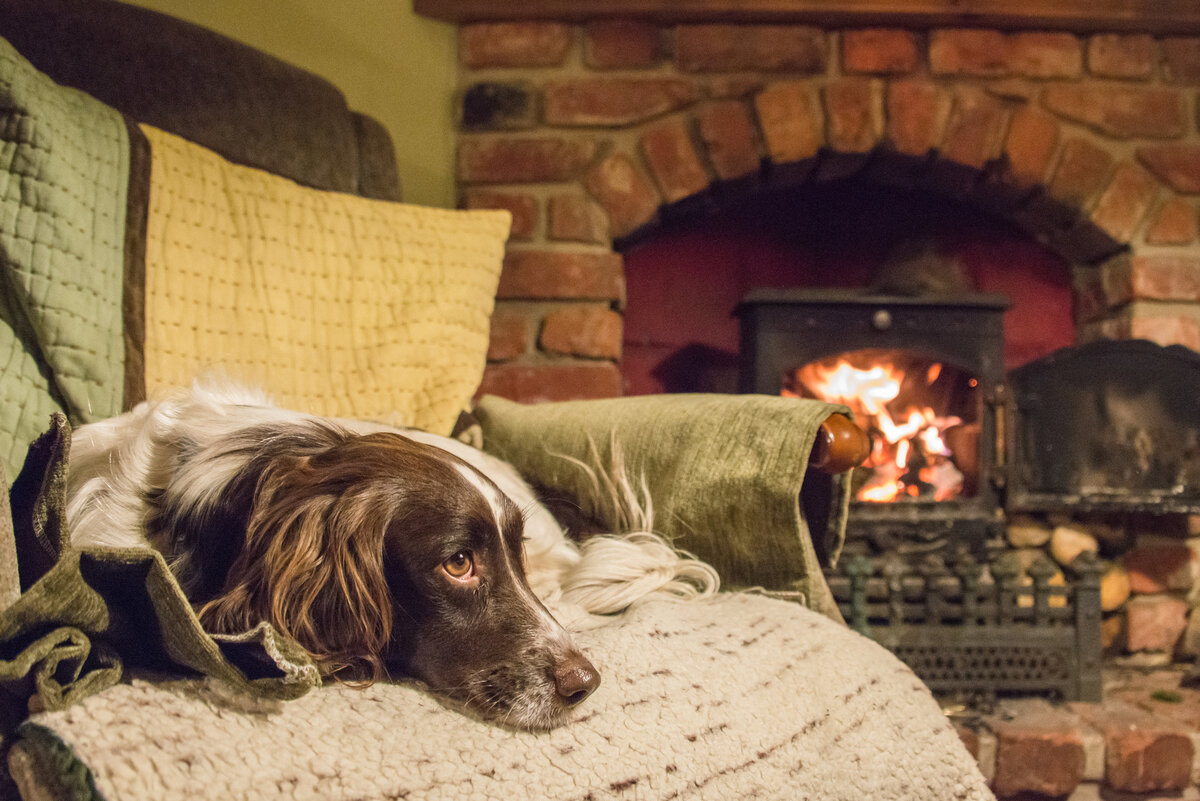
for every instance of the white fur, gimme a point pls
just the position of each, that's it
(114, 463)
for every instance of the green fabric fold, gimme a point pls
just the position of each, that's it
(726, 474)
(87, 615)
(59, 668)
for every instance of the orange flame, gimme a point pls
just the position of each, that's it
(909, 456)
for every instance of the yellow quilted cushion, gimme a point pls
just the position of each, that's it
(334, 304)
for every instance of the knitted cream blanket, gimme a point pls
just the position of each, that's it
(740, 697)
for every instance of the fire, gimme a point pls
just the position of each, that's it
(909, 455)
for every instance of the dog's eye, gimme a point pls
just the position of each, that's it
(460, 566)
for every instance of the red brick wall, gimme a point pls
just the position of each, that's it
(588, 133)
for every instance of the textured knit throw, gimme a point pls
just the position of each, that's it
(737, 697)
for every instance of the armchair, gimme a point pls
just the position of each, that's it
(740, 696)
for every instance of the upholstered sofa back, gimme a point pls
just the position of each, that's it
(251, 108)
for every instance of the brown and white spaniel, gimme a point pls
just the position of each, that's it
(383, 552)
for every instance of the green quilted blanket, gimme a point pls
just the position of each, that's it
(64, 165)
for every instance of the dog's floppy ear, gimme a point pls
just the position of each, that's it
(312, 566)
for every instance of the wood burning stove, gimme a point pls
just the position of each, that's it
(1104, 427)
(922, 374)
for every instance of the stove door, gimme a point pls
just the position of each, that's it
(1107, 426)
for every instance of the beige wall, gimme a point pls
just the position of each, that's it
(390, 64)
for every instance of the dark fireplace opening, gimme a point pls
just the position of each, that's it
(764, 288)
(684, 283)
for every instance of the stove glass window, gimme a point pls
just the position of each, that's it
(923, 417)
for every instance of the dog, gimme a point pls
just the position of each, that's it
(382, 551)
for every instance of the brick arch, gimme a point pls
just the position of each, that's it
(1098, 161)
(1075, 187)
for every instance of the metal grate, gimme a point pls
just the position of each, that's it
(988, 631)
(954, 666)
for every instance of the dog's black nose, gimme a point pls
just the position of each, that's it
(575, 678)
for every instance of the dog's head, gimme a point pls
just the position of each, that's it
(380, 554)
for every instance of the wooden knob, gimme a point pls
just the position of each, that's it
(840, 445)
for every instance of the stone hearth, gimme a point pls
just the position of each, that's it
(1141, 742)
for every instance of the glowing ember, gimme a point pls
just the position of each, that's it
(909, 456)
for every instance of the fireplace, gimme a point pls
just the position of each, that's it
(1109, 428)
(602, 135)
